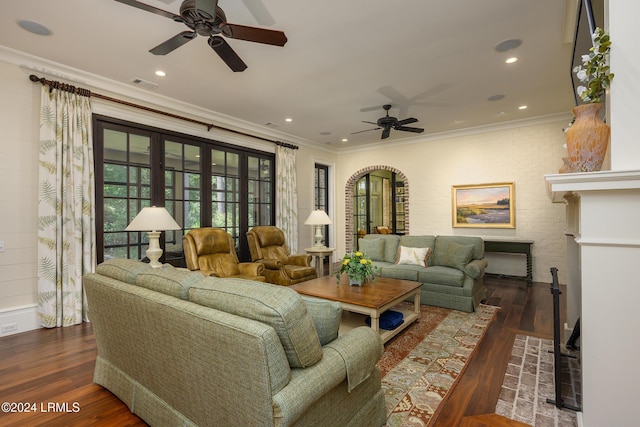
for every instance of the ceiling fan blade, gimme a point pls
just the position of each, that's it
(260, 12)
(206, 9)
(361, 131)
(409, 129)
(405, 122)
(385, 133)
(227, 54)
(152, 9)
(173, 43)
(253, 34)
(371, 123)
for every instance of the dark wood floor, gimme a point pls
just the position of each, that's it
(53, 368)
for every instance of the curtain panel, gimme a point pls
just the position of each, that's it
(287, 196)
(66, 207)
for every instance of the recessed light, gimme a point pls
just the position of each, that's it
(34, 27)
(160, 73)
(345, 140)
(511, 60)
(288, 119)
(522, 107)
(508, 45)
(496, 97)
(325, 133)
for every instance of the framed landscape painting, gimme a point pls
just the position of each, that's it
(484, 205)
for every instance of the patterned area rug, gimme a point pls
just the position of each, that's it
(529, 381)
(421, 366)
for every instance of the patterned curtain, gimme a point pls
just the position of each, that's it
(286, 196)
(66, 207)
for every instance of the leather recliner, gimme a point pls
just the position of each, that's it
(267, 246)
(212, 252)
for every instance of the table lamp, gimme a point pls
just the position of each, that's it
(318, 218)
(153, 220)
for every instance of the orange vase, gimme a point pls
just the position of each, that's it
(587, 140)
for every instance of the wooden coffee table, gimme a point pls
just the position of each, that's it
(372, 299)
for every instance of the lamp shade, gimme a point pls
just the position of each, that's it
(153, 219)
(318, 217)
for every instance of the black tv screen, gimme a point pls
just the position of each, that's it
(590, 14)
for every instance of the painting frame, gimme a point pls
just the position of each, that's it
(484, 205)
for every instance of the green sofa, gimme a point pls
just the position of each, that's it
(453, 276)
(182, 349)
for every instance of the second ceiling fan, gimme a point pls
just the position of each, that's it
(206, 18)
(387, 123)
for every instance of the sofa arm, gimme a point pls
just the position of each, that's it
(308, 385)
(251, 268)
(360, 352)
(301, 260)
(271, 264)
(475, 268)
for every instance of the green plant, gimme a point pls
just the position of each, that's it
(357, 266)
(594, 72)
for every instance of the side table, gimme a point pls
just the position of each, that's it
(319, 254)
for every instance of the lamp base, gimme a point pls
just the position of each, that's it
(154, 252)
(318, 237)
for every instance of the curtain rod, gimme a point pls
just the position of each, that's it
(86, 92)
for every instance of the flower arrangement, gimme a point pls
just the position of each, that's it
(594, 72)
(357, 266)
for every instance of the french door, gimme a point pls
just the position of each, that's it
(201, 183)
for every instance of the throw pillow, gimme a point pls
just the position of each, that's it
(125, 270)
(413, 256)
(373, 248)
(278, 306)
(326, 316)
(457, 256)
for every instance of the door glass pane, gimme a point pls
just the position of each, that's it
(126, 190)
(182, 193)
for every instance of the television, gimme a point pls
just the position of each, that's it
(589, 15)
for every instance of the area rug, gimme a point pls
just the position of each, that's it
(529, 381)
(421, 366)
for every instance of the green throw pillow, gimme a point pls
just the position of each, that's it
(326, 316)
(457, 256)
(373, 248)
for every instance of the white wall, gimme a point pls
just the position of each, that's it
(625, 89)
(19, 124)
(306, 159)
(520, 153)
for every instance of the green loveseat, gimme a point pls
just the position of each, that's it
(181, 349)
(453, 276)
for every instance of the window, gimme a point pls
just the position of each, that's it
(321, 194)
(202, 183)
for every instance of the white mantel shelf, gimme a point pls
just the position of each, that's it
(559, 185)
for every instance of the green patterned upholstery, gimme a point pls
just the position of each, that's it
(454, 277)
(175, 362)
(278, 306)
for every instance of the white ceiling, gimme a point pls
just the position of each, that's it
(432, 60)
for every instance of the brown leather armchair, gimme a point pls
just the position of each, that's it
(268, 246)
(211, 251)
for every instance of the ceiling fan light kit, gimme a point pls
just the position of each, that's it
(207, 19)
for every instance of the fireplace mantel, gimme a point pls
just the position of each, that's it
(559, 185)
(603, 245)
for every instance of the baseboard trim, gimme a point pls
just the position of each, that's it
(19, 319)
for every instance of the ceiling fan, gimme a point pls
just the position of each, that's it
(206, 18)
(387, 123)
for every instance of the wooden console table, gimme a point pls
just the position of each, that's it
(513, 247)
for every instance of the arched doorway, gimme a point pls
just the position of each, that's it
(399, 187)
